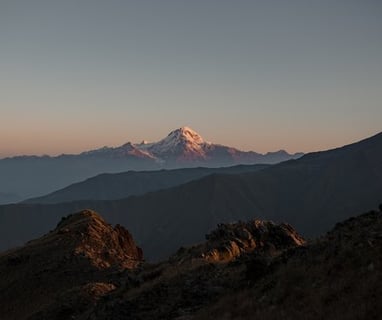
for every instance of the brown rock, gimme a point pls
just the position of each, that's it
(81, 258)
(229, 241)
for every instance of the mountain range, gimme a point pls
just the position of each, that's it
(31, 176)
(312, 193)
(184, 147)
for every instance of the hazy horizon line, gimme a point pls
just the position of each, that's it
(91, 147)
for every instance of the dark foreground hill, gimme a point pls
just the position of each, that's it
(65, 274)
(246, 270)
(311, 193)
(335, 277)
(75, 263)
(122, 185)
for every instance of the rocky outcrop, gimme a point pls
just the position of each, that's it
(67, 270)
(337, 276)
(197, 276)
(229, 241)
(86, 234)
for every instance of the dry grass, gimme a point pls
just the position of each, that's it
(338, 278)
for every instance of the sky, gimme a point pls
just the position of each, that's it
(260, 75)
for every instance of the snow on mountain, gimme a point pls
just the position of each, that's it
(126, 150)
(183, 143)
(182, 148)
(186, 147)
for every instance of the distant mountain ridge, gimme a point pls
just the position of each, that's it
(112, 186)
(312, 193)
(8, 198)
(32, 176)
(184, 146)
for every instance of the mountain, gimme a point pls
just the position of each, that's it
(183, 144)
(66, 270)
(312, 193)
(86, 269)
(32, 176)
(110, 186)
(184, 147)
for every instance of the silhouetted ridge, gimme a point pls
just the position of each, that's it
(121, 185)
(372, 143)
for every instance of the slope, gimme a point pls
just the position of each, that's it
(85, 269)
(122, 185)
(335, 277)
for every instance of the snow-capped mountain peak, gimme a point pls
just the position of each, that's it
(185, 134)
(184, 146)
(182, 142)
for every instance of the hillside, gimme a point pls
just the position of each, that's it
(335, 277)
(122, 185)
(8, 198)
(84, 263)
(86, 269)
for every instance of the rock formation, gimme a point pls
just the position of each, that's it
(63, 272)
(230, 241)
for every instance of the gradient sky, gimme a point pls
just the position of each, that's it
(264, 75)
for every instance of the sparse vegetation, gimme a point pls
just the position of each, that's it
(337, 277)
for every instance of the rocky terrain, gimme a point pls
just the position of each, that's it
(85, 269)
(230, 241)
(337, 276)
(62, 273)
(196, 276)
